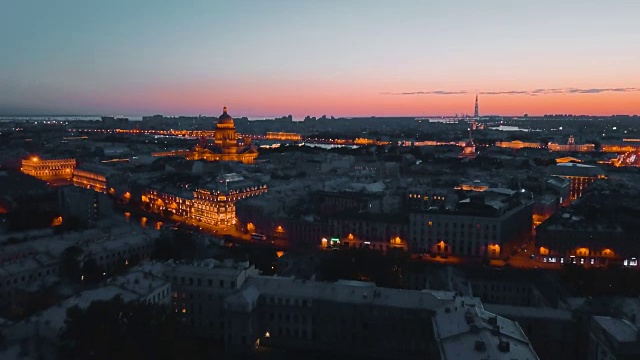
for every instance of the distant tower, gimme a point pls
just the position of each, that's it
(476, 113)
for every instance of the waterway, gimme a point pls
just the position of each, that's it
(510, 128)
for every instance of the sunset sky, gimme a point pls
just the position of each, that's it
(341, 58)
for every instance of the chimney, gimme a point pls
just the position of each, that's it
(504, 346)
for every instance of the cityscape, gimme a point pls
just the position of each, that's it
(393, 205)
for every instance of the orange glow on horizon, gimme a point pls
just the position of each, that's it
(341, 98)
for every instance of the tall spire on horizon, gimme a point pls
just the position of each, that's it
(476, 113)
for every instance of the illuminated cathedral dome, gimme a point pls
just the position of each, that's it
(227, 146)
(225, 120)
(225, 135)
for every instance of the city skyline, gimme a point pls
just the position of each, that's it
(301, 58)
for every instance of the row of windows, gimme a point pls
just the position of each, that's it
(455, 249)
(130, 251)
(497, 287)
(455, 225)
(272, 300)
(87, 177)
(288, 318)
(492, 298)
(200, 283)
(373, 246)
(159, 296)
(27, 278)
(433, 242)
(46, 173)
(297, 333)
(445, 234)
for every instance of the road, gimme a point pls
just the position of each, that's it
(151, 220)
(521, 259)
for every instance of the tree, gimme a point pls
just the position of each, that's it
(116, 329)
(366, 265)
(71, 263)
(91, 271)
(175, 244)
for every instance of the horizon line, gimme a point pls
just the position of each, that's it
(463, 116)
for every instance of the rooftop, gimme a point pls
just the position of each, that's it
(138, 282)
(469, 332)
(573, 169)
(211, 267)
(354, 292)
(621, 330)
(512, 311)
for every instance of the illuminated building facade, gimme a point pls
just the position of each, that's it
(425, 199)
(568, 159)
(475, 185)
(214, 207)
(567, 238)
(355, 242)
(178, 203)
(184, 153)
(549, 194)
(424, 143)
(484, 225)
(374, 231)
(619, 148)
(517, 144)
(90, 180)
(581, 176)
(365, 141)
(227, 147)
(543, 208)
(283, 136)
(571, 146)
(48, 169)
(469, 149)
(627, 159)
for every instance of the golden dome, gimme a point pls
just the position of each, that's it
(225, 119)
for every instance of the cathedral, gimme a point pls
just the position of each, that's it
(469, 149)
(227, 146)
